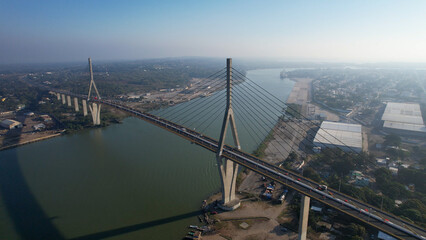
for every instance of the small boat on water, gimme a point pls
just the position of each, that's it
(193, 226)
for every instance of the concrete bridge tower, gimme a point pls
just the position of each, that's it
(95, 108)
(228, 170)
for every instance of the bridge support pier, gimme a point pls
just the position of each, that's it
(58, 96)
(69, 101)
(303, 218)
(95, 109)
(228, 170)
(63, 99)
(84, 104)
(76, 104)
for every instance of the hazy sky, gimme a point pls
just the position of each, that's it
(49, 31)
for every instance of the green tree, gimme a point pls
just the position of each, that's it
(356, 230)
(312, 174)
(392, 140)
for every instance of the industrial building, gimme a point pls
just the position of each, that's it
(345, 136)
(403, 119)
(10, 124)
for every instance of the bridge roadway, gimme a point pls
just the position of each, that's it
(383, 221)
(388, 223)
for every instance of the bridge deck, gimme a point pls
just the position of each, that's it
(368, 214)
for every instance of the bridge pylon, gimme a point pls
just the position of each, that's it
(228, 170)
(69, 101)
(303, 217)
(95, 108)
(76, 108)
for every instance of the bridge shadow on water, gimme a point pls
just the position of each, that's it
(136, 227)
(28, 217)
(32, 223)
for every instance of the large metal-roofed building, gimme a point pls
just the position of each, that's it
(403, 118)
(10, 124)
(345, 136)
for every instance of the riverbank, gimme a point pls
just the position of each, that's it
(254, 219)
(21, 141)
(301, 94)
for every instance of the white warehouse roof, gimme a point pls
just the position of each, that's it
(403, 116)
(343, 135)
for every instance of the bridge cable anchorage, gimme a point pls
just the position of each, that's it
(217, 85)
(228, 170)
(199, 85)
(310, 134)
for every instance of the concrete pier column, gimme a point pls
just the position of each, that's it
(303, 218)
(58, 96)
(63, 99)
(76, 104)
(84, 104)
(69, 101)
(95, 109)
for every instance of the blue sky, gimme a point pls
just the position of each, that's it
(60, 31)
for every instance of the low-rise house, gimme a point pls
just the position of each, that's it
(384, 236)
(354, 174)
(362, 181)
(381, 161)
(316, 209)
(46, 118)
(393, 170)
(39, 127)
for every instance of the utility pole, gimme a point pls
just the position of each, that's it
(381, 204)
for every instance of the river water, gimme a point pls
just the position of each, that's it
(126, 181)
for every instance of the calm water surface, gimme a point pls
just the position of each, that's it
(126, 181)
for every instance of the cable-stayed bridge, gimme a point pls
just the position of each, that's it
(238, 99)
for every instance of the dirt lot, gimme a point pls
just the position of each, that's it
(302, 95)
(263, 221)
